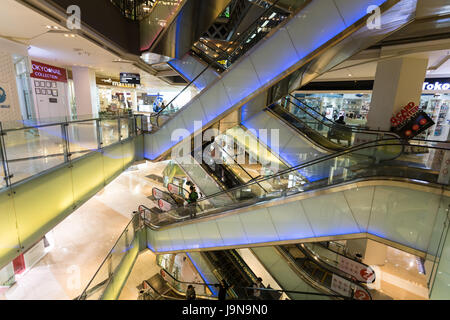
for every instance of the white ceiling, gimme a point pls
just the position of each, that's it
(62, 48)
(365, 69)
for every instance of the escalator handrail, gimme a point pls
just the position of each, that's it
(350, 128)
(366, 145)
(239, 42)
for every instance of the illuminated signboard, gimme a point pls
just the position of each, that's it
(130, 78)
(48, 72)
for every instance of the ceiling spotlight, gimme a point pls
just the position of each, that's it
(49, 27)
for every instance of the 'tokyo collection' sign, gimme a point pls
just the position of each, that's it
(48, 72)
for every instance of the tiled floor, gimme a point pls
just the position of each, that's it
(80, 243)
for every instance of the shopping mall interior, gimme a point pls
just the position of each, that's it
(225, 149)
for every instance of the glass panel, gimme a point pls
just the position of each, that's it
(110, 131)
(119, 250)
(82, 138)
(30, 151)
(99, 282)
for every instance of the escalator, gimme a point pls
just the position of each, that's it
(231, 268)
(331, 40)
(340, 263)
(164, 286)
(358, 196)
(321, 276)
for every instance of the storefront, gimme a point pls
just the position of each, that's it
(352, 99)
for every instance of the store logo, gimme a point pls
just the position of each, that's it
(2, 95)
(73, 17)
(437, 86)
(374, 21)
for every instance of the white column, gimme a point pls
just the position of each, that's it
(85, 87)
(397, 82)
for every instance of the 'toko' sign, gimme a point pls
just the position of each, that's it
(436, 86)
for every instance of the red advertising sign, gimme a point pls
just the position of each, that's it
(407, 112)
(360, 271)
(164, 205)
(48, 72)
(157, 194)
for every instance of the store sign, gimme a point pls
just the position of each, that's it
(47, 72)
(436, 86)
(358, 270)
(4, 97)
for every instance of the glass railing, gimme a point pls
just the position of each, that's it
(246, 40)
(370, 160)
(322, 277)
(321, 129)
(30, 147)
(104, 276)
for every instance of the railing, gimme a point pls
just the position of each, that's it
(367, 159)
(245, 41)
(345, 136)
(30, 147)
(107, 270)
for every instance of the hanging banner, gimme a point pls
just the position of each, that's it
(48, 72)
(358, 270)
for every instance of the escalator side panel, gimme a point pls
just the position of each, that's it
(189, 67)
(397, 213)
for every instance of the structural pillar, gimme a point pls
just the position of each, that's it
(86, 97)
(398, 82)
